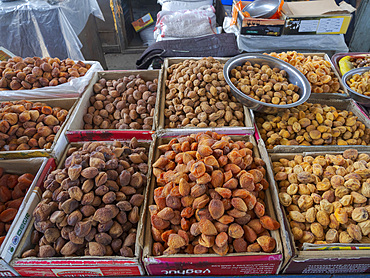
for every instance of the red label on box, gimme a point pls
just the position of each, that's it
(329, 266)
(236, 265)
(77, 268)
(108, 135)
(78, 271)
(6, 274)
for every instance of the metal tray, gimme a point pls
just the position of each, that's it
(294, 75)
(359, 98)
(336, 58)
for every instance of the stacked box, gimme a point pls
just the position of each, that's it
(83, 266)
(40, 168)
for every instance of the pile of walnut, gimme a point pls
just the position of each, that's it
(327, 197)
(91, 207)
(312, 124)
(31, 73)
(317, 70)
(26, 125)
(197, 95)
(13, 188)
(126, 103)
(210, 198)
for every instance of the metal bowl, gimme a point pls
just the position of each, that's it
(294, 76)
(359, 98)
(262, 8)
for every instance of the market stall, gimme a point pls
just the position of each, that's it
(255, 164)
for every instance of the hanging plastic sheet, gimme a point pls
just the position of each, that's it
(37, 28)
(78, 11)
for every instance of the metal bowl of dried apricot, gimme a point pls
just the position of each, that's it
(265, 84)
(357, 82)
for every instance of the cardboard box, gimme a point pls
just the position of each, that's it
(160, 119)
(211, 264)
(82, 266)
(326, 259)
(142, 22)
(342, 87)
(75, 128)
(259, 26)
(5, 54)
(316, 17)
(60, 141)
(40, 167)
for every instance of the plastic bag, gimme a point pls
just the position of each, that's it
(183, 5)
(146, 35)
(38, 29)
(238, 7)
(71, 89)
(186, 23)
(301, 43)
(78, 12)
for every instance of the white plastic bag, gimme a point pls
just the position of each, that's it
(168, 5)
(186, 23)
(71, 89)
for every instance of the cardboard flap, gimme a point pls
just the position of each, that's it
(321, 7)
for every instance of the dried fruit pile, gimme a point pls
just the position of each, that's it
(197, 95)
(13, 188)
(317, 70)
(31, 73)
(122, 104)
(91, 207)
(312, 124)
(26, 125)
(264, 83)
(210, 198)
(327, 197)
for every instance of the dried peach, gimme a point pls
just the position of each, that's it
(249, 234)
(247, 181)
(216, 208)
(268, 223)
(198, 169)
(255, 247)
(221, 239)
(256, 225)
(239, 204)
(217, 178)
(206, 227)
(267, 243)
(175, 241)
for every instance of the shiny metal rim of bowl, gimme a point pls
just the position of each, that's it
(348, 76)
(265, 13)
(305, 88)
